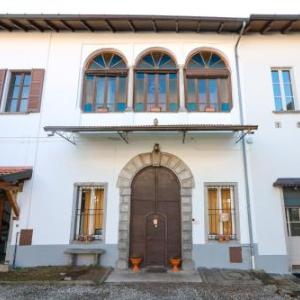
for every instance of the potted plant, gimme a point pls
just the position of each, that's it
(135, 261)
(175, 262)
(90, 238)
(227, 237)
(220, 238)
(81, 238)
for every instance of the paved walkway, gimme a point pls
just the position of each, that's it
(129, 276)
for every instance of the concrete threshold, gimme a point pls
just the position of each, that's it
(142, 276)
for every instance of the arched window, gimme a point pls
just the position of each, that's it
(208, 85)
(105, 83)
(156, 84)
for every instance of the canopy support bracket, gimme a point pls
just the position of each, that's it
(242, 135)
(69, 138)
(124, 136)
(183, 137)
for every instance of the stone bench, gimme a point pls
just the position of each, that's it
(81, 251)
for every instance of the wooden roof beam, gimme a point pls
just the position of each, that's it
(51, 26)
(18, 25)
(12, 199)
(68, 26)
(5, 27)
(288, 27)
(266, 27)
(111, 28)
(154, 25)
(177, 26)
(36, 26)
(131, 25)
(198, 27)
(87, 26)
(220, 28)
(11, 187)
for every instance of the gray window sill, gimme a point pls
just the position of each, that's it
(286, 112)
(16, 113)
(85, 243)
(231, 242)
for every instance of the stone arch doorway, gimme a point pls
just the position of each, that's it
(155, 219)
(186, 183)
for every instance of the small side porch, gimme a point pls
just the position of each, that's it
(11, 183)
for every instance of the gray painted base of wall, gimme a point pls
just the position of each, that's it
(210, 255)
(216, 255)
(53, 255)
(272, 263)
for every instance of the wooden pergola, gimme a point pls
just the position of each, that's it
(11, 183)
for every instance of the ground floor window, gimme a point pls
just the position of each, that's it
(292, 210)
(89, 213)
(4, 224)
(221, 212)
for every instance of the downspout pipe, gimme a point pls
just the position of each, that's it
(244, 150)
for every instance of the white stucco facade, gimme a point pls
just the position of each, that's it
(47, 201)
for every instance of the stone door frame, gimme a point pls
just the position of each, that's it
(186, 179)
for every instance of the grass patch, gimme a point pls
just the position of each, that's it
(265, 278)
(55, 273)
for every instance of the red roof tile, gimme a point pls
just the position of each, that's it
(13, 170)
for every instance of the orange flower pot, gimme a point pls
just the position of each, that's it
(175, 262)
(135, 261)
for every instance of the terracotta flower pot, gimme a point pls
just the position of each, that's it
(221, 238)
(135, 261)
(175, 262)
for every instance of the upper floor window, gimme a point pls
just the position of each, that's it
(105, 84)
(21, 91)
(282, 90)
(156, 83)
(18, 94)
(208, 84)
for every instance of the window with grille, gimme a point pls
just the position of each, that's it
(292, 210)
(221, 212)
(282, 90)
(89, 213)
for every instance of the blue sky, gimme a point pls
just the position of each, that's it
(232, 8)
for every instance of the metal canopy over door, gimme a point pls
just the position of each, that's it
(155, 227)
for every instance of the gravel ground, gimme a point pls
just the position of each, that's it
(139, 291)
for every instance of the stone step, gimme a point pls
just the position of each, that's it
(156, 269)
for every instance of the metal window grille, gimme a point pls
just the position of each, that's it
(221, 213)
(89, 214)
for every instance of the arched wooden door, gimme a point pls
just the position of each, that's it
(155, 225)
